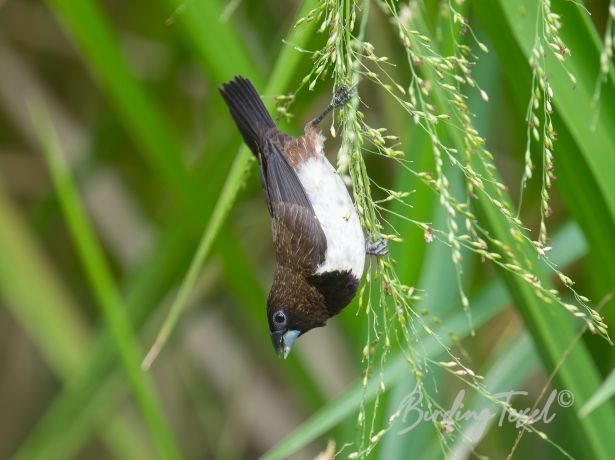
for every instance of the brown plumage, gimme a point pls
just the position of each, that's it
(300, 245)
(297, 150)
(303, 294)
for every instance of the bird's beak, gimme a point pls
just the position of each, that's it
(283, 342)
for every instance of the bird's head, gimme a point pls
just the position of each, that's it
(291, 316)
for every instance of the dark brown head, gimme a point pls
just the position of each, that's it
(294, 307)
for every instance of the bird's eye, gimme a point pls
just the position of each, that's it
(279, 318)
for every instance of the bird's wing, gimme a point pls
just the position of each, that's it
(299, 241)
(279, 179)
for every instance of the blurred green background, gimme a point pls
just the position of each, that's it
(89, 268)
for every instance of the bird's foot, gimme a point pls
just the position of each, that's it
(377, 248)
(342, 95)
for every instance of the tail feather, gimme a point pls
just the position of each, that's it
(248, 111)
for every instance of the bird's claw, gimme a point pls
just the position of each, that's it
(342, 95)
(378, 248)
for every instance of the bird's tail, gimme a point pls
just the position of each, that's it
(248, 111)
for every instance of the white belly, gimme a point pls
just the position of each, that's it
(336, 214)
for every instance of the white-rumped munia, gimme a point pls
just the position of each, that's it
(319, 244)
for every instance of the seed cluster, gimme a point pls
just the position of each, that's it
(436, 99)
(547, 41)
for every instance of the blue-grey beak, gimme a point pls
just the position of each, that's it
(283, 341)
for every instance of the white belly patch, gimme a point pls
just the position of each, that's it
(336, 214)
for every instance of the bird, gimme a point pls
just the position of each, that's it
(319, 244)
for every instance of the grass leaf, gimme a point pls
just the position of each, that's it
(103, 285)
(602, 395)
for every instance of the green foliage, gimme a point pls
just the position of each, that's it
(457, 103)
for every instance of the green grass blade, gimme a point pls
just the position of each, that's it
(234, 181)
(280, 77)
(551, 327)
(229, 56)
(602, 395)
(49, 316)
(507, 371)
(94, 38)
(553, 333)
(47, 311)
(102, 282)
